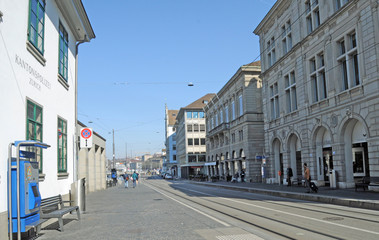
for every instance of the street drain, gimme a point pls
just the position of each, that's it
(332, 219)
(158, 199)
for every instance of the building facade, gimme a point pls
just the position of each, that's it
(170, 164)
(190, 138)
(38, 65)
(235, 126)
(320, 88)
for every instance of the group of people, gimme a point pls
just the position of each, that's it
(310, 186)
(238, 175)
(133, 178)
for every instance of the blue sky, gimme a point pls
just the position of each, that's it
(144, 54)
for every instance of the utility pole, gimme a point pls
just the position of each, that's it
(113, 148)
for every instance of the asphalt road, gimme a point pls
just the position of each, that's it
(160, 209)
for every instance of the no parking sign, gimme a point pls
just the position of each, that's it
(86, 138)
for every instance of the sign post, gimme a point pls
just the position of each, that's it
(86, 138)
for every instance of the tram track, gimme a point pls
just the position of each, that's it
(256, 219)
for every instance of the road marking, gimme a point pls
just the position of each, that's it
(292, 214)
(209, 216)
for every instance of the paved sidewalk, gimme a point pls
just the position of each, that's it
(345, 197)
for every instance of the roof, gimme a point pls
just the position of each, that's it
(257, 63)
(172, 116)
(201, 102)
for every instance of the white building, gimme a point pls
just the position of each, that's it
(38, 65)
(320, 88)
(171, 163)
(190, 138)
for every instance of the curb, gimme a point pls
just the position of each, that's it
(366, 204)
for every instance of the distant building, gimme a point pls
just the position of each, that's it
(320, 71)
(235, 133)
(170, 132)
(146, 157)
(190, 138)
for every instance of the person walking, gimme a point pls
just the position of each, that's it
(289, 175)
(126, 179)
(242, 175)
(307, 177)
(135, 178)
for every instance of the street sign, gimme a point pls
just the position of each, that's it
(86, 138)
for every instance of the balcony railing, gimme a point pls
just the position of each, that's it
(218, 129)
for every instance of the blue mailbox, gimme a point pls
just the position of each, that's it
(24, 198)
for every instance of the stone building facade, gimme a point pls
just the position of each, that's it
(235, 126)
(320, 88)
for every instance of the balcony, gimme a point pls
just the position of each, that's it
(220, 128)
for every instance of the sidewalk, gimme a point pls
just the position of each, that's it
(345, 197)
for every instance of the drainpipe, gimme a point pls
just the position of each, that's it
(76, 154)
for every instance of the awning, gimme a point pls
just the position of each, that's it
(210, 164)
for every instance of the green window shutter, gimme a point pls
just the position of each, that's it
(34, 128)
(62, 146)
(36, 28)
(63, 52)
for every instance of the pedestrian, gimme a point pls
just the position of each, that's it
(114, 178)
(242, 175)
(289, 175)
(134, 178)
(307, 177)
(126, 179)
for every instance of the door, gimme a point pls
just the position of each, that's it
(359, 162)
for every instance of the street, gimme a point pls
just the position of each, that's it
(160, 209)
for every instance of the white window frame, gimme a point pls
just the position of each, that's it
(274, 101)
(290, 91)
(271, 54)
(348, 61)
(312, 15)
(318, 77)
(240, 105)
(287, 37)
(233, 111)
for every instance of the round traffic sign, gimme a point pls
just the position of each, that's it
(86, 133)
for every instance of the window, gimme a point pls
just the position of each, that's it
(197, 142)
(196, 127)
(195, 115)
(202, 127)
(62, 145)
(189, 128)
(34, 128)
(340, 3)
(271, 57)
(189, 115)
(240, 134)
(190, 142)
(201, 114)
(191, 158)
(173, 147)
(233, 137)
(174, 157)
(241, 105)
(216, 119)
(63, 52)
(312, 17)
(36, 28)
(233, 111)
(348, 61)
(290, 89)
(202, 141)
(212, 122)
(221, 116)
(286, 37)
(274, 101)
(226, 114)
(317, 77)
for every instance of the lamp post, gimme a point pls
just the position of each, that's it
(113, 148)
